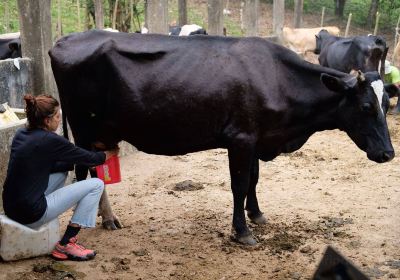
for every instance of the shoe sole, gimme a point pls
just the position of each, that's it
(64, 257)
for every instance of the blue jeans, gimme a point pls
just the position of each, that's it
(84, 194)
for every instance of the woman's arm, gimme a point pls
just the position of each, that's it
(63, 150)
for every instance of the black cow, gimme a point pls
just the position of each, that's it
(363, 53)
(187, 30)
(10, 48)
(173, 95)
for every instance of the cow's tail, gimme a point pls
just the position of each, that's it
(65, 125)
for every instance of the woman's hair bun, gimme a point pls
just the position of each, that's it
(29, 99)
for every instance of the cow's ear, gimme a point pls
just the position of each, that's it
(392, 90)
(333, 83)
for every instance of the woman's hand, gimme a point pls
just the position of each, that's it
(113, 152)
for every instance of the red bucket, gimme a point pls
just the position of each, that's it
(109, 171)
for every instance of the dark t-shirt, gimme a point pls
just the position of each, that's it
(35, 154)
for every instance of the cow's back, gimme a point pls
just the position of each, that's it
(181, 92)
(173, 95)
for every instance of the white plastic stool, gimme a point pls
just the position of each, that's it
(20, 242)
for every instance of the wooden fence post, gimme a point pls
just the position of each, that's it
(250, 17)
(322, 16)
(278, 17)
(59, 28)
(114, 18)
(378, 15)
(157, 16)
(36, 40)
(298, 13)
(215, 17)
(182, 10)
(348, 25)
(99, 14)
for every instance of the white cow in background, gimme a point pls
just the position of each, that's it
(302, 40)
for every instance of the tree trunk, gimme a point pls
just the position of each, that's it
(99, 14)
(372, 12)
(298, 13)
(182, 7)
(339, 7)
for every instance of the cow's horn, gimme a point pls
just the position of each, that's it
(360, 76)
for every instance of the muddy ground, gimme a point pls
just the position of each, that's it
(327, 193)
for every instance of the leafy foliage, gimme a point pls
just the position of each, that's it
(389, 10)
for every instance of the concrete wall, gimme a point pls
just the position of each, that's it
(6, 136)
(14, 83)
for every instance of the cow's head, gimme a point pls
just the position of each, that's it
(362, 112)
(318, 40)
(15, 48)
(371, 51)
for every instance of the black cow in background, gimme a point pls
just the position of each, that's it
(365, 53)
(10, 48)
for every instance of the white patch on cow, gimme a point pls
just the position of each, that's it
(144, 30)
(109, 29)
(378, 89)
(188, 28)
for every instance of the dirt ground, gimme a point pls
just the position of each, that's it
(327, 193)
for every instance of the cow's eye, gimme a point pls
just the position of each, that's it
(367, 107)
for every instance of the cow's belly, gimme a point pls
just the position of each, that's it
(168, 138)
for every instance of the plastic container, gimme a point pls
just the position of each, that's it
(109, 172)
(20, 242)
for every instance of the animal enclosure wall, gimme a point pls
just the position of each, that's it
(14, 82)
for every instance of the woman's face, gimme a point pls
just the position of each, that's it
(53, 122)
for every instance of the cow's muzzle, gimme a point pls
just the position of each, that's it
(381, 156)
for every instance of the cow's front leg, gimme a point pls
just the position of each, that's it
(253, 211)
(240, 162)
(110, 221)
(396, 109)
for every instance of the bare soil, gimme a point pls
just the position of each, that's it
(327, 193)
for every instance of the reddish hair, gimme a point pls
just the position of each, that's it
(38, 108)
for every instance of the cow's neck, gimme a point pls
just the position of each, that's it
(313, 108)
(322, 104)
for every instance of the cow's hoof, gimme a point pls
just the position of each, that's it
(394, 112)
(248, 239)
(112, 224)
(258, 219)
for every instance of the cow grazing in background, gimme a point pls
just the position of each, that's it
(10, 45)
(365, 53)
(252, 97)
(302, 40)
(187, 30)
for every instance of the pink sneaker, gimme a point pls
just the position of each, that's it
(72, 251)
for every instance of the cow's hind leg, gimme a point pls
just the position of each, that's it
(253, 211)
(109, 220)
(240, 162)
